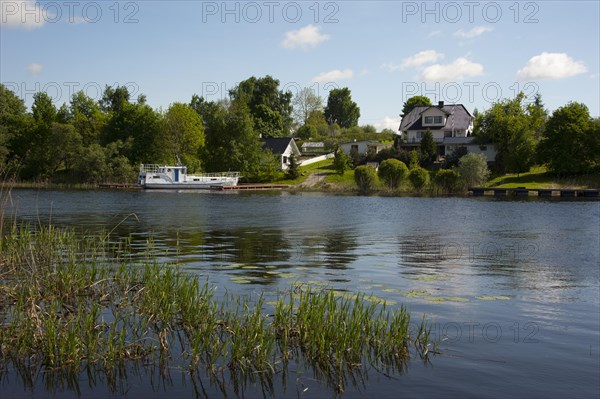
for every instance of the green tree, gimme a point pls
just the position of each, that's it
(392, 172)
(15, 124)
(232, 144)
(341, 161)
(268, 106)
(418, 177)
(452, 159)
(87, 118)
(341, 109)
(512, 129)
(37, 156)
(428, 148)
(184, 135)
(137, 124)
(569, 142)
(65, 149)
(447, 180)
(473, 169)
(114, 98)
(317, 119)
(416, 101)
(305, 132)
(293, 170)
(414, 157)
(365, 178)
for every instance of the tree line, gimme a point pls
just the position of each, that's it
(96, 141)
(105, 140)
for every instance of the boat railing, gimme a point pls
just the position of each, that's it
(217, 174)
(150, 168)
(156, 168)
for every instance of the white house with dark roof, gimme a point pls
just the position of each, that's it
(363, 147)
(451, 126)
(283, 148)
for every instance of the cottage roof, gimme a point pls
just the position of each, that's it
(277, 145)
(458, 118)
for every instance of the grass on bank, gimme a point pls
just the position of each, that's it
(325, 166)
(77, 307)
(539, 177)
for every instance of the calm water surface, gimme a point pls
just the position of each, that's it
(511, 287)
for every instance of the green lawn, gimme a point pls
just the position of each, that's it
(539, 177)
(325, 166)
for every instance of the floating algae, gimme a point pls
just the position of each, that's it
(442, 299)
(289, 275)
(429, 277)
(249, 267)
(415, 293)
(241, 280)
(493, 298)
(391, 290)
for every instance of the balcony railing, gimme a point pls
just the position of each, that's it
(415, 140)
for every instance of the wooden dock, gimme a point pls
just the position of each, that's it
(539, 192)
(252, 187)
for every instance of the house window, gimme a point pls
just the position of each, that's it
(354, 148)
(430, 120)
(483, 147)
(420, 135)
(448, 134)
(285, 160)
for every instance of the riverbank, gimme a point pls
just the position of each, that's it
(322, 177)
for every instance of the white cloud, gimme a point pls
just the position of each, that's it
(388, 123)
(551, 66)
(457, 70)
(22, 14)
(309, 36)
(421, 58)
(434, 33)
(34, 69)
(476, 31)
(333, 76)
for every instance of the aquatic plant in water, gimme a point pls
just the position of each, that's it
(73, 307)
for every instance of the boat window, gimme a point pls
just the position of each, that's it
(196, 179)
(168, 170)
(156, 177)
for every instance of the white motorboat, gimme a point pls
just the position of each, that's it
(176, 177)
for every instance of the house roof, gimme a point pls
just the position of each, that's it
(278, 145)
(458, 118)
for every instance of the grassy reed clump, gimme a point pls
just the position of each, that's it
(69, 306)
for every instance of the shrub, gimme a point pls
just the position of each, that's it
(392, 172)
(473, 169)
(419, 178)
(447, 180)
(365, 178)
(341, 161)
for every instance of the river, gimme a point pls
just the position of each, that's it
(511, 287)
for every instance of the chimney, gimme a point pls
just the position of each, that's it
(440, 104)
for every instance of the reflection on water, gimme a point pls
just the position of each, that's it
(458, 260)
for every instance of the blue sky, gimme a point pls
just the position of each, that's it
(468, 52)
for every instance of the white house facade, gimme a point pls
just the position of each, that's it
(283, 148)
(362, 147)
(451, 126)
